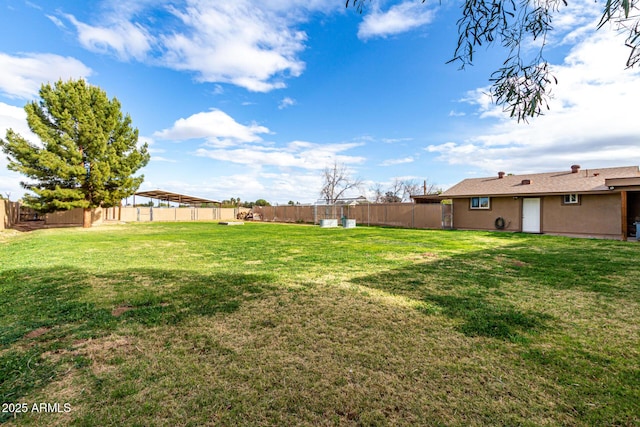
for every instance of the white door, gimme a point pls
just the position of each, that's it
(531, 215)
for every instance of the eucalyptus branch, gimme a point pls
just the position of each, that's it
(523, 87)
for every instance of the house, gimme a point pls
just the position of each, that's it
(602, 203)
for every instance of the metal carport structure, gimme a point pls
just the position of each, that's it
(168, 196)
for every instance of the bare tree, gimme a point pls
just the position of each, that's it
(378, 193)
(395, 193)
(336, 182)
(413, 187)
(410, 187)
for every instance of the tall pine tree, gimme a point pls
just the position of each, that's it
(87, 153)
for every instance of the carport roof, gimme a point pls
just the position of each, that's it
(174, 197)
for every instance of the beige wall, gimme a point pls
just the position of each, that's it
(128, 215)
(465, 218)
(409, 215)
(97, 216)
(144, 214)
(74, 217)
(4, 220)
(596, 215)
(9, 213)
(169, 214)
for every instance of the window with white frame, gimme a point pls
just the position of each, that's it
(571, 199)
(480, 203)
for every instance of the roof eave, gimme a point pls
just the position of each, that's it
(532, 194)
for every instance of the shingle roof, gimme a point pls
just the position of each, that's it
(585, 180)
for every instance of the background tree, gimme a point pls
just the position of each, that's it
(378, 193)
(87, 153)
(391, 197)
(522, 84)
(410, 187)
(414, 188)
(401, 190)
(395, 192)
(262, 202)
(336, 181)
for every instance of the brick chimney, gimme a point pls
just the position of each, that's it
(575, 168)
(500, 175)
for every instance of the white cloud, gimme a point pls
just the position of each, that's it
(237, 42)
(22, 75)
(575, 19)
(255, 45)
(393, 162)
(124, 39)
(57, 22)
(216, 126)
(14, 118)
(151, 146)
(155, 158)
(592, 121)
(395, 140)
(297, 154)
(252, 184)
(272, 171)
(286, 102)
(398, 19)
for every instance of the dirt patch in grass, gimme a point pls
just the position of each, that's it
(505, 260)
(98, 348)
(37, 332)
(118, 311)
(6, 235)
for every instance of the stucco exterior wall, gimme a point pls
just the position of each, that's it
(596, 215)
(144, 214)
(73, 217)
(465, 218)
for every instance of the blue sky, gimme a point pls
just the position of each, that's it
(254, 99)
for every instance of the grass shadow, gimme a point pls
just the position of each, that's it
(517, 293)
(469, 287)
(494, 319)
(47, 309)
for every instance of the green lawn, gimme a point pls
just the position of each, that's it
(265, 324)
